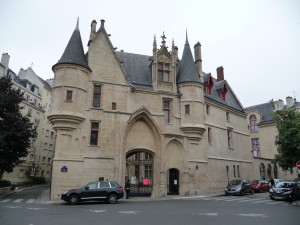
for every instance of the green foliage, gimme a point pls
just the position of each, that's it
(4, 183)
(16, 131)
(288, 138)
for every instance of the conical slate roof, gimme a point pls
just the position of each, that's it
(74, 53)
(187, 71)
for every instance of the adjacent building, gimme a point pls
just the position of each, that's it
(36, 106)
(263, 132)
(158, 120)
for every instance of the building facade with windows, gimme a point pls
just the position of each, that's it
(263, 132)
(36, 106)
(157, 120)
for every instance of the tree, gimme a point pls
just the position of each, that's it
(16, 131)
(288, 138)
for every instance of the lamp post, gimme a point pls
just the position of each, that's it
(227, 169)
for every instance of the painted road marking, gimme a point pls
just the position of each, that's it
(254, 215)
(261, 201)
(190, 197)
(18, 200)
(5, 200)
(95, 211)
(129, 212)
(252, 199)
(207, 214)
(30, 201)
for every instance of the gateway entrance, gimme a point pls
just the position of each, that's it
(139, 170)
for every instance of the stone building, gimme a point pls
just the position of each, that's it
(263, 132)
(36, 106)
(157, 120)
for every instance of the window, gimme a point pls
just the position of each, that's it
(69, 95)
(47, 133)
(253, 124)
(255, 147)
(209, 136)
(187, 109)
(45, 145)
(49, 160)
(234, 171)
(52, 134)
(137, 156)
(37, 117)
(163, 72)
(207, 109)
(137, 171)
(223, 92)
(29, 112)
(227, 117)
(32, 157)
(96, 96)
(229, 137)
(148, 171)
(113, 106)
(208, 85)
(43, 159)
(50, 147)
(166, 109)
(238, 170)
(94, 133)
(148, 156)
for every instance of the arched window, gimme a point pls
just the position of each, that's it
(253, 123)
(262, 171)
(269, 171)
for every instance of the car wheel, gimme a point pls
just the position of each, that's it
(252, 192)
(260, 190)
(112, 198)
(73, 199)
(242, 192)
(271, 198)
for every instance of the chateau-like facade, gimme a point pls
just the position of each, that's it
(157, 120)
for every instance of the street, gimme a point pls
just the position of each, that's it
(29, 208)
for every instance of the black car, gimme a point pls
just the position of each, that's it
(109, 191)
(285, 190)
(238, 187)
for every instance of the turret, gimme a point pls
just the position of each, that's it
(70, 85)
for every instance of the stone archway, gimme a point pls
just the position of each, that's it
(269, 171)
(141, 147)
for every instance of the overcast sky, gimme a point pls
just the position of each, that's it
(256, 41)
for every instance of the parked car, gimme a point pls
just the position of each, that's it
(276, 181)
(285, 190)
(238, 187)
(109, 191)
(260, 185)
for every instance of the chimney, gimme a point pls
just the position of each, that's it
(289, 101)
(102, 24)
(220, 73)
(198, 59)
(93, 29)
(280, 104)
(5, 59)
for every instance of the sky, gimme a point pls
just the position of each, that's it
(256, 41)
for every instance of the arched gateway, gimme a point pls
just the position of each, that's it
(141, 148)
(139, 170)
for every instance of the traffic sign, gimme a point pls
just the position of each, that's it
(298, 165)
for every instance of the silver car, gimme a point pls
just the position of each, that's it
(239, 187)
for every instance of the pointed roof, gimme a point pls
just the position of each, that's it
(187, 71)
(74, 53)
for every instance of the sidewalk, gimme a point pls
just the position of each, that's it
(23, 189)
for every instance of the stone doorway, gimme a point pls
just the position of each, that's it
(139, 170)
(173, 185)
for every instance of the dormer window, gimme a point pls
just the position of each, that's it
(223, 92)
(208, 85)
(163, 72)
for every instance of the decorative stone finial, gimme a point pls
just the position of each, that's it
(163, 40)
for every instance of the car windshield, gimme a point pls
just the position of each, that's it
(255, 182)
(235, 182)
(284, 185)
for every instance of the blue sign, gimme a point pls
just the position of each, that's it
(64, 169)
